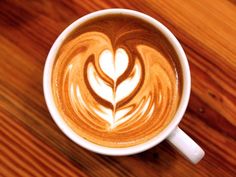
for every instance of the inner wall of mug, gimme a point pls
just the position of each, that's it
(101, 149)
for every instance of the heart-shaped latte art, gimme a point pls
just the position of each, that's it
(113, 66)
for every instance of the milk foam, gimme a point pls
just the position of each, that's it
(115, 82)
(113, 65)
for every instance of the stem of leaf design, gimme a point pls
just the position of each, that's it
(114, 103)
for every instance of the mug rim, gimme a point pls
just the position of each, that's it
(186, 86)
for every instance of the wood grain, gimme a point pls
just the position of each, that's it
(32, 145)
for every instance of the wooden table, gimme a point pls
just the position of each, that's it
(32, 145)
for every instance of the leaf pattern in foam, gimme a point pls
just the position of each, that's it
(114, 67)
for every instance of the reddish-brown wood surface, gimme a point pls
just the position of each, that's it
(32, 145)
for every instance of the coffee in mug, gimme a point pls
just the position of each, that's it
(117, 81)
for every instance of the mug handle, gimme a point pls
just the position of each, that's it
(186, 146)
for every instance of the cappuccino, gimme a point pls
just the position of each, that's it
(117, 81)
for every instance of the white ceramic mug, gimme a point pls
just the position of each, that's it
(172, 133)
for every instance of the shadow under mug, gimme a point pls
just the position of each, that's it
(172, 133)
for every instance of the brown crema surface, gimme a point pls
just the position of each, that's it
(116, 81)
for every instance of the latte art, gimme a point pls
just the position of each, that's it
(116, 81)
(113, 66)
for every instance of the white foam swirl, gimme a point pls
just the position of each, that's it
(113, 66)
